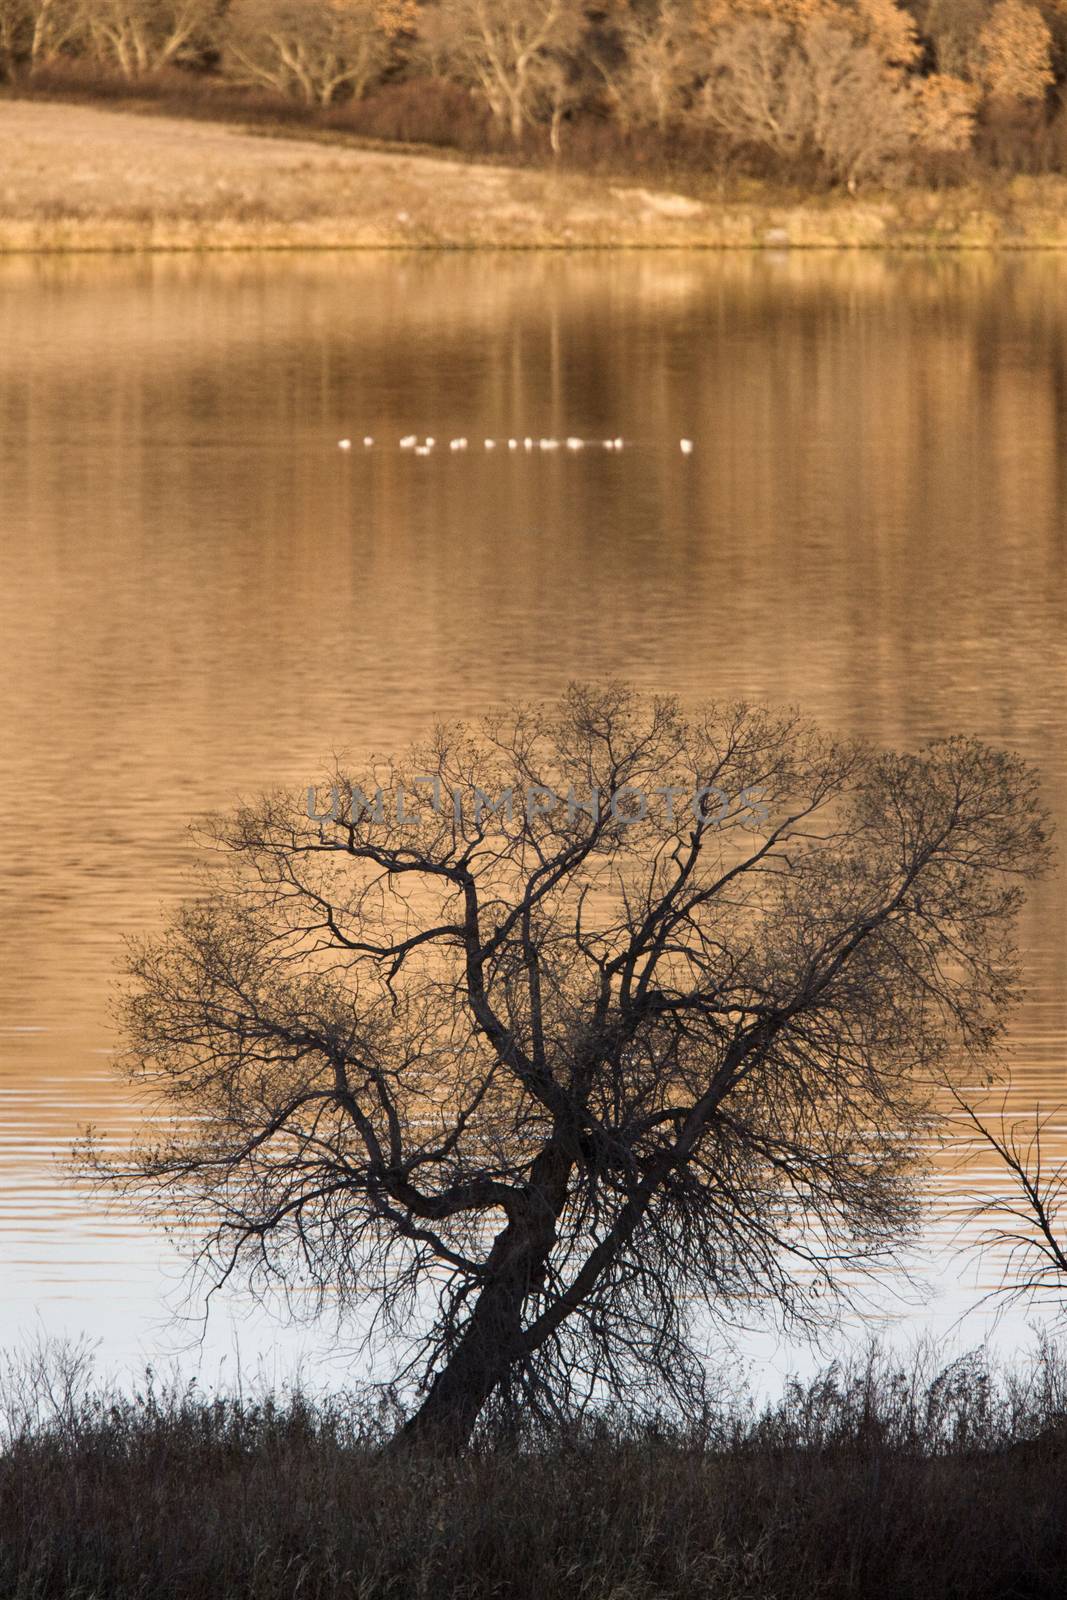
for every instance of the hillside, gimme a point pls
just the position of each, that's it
(75, 177)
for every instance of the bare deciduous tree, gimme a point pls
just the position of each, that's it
(1025, 1226)
(545, 1083)
(659, 63)
(509, 50)
(35, 32)
(756, 91)
(312, 49)
(953, 27)
(140, 36)
(818, 90)
(560, 93)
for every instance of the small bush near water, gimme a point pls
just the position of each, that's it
(867, 1481)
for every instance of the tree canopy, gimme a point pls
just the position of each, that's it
(576, 1027)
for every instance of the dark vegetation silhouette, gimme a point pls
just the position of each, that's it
(1022, 1205)
(553, 1088)
(890, 1481)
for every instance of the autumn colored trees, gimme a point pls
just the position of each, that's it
(1013, 53)
(851, 91)
(838, 88)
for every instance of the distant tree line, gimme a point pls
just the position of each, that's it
(854, 90)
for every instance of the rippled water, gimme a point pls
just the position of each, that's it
(201, 596)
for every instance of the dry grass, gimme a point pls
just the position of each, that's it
(872, 1482)
(81, 177)
(76, 177)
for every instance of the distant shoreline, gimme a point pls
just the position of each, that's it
(86, 179)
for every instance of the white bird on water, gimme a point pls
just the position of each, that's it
(410, 441)
(687, 446)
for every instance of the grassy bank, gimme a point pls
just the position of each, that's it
(867, 1482)
(80, 177)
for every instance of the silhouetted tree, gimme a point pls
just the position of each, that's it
(544, 1083)
(1025, 1224)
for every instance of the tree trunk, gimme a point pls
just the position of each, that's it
(486, 1349)
(494, 1337)
(555, 137)
(516, 113)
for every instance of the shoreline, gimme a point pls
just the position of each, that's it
(90, 180)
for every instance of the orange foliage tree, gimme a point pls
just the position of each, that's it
(1014, 54)
(883, 24)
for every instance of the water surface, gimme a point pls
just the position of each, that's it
(202, 597)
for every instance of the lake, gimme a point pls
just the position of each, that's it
(203, 597)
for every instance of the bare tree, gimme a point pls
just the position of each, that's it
(35, 32)
(756, 93)
(509, 50)
(311, 49)
(141, 36)
(630, 1015)
(876, 121)
(953, 27)
(560, 93)
(1025, 1225)
(820, 91)
(658, 65)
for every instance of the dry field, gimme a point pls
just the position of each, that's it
(74, 177)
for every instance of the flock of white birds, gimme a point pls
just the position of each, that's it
(426, 446)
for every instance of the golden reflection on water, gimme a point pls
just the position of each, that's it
(202, 597)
